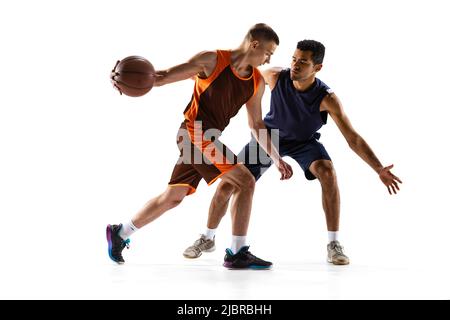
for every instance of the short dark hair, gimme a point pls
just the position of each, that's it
(262, 31)
(316, 47)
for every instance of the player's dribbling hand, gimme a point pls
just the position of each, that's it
(112, 76)
(389, 179)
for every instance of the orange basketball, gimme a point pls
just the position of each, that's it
(133, 76)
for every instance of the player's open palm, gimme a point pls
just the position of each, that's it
(389, 179)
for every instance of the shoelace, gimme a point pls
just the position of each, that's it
(200, 241)
(249, 255)
(339, 249)
(252, 257)
(197, 250)
(123, 244)
(127, 243)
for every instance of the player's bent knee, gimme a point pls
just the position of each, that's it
(225, 189)
(175, 202)
(326, 172)
(172, 202)
(172, 197)
(246, 182)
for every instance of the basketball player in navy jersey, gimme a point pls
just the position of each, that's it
(300, 104)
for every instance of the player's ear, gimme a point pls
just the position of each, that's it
(254, 44)
(318, 67)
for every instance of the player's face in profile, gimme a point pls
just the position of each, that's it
(262, 52)
(302, 65)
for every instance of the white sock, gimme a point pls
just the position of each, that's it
(127, 230)
(210, 233)
(333, 236)
(237, 242)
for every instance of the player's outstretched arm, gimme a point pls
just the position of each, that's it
(201, 64)
(334, 107)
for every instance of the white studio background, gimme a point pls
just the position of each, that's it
(76, 156)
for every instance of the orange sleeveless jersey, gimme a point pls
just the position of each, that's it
(215, 101)
(219, 97)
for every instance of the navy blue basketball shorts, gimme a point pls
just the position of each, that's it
(258, 161)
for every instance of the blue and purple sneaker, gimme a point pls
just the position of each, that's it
(243, 259)
(115, 243)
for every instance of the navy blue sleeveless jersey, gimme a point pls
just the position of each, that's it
(296, 113)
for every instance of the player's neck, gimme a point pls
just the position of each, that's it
(305, 84)
(239, 62)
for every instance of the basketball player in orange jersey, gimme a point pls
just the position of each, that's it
(224, 81)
